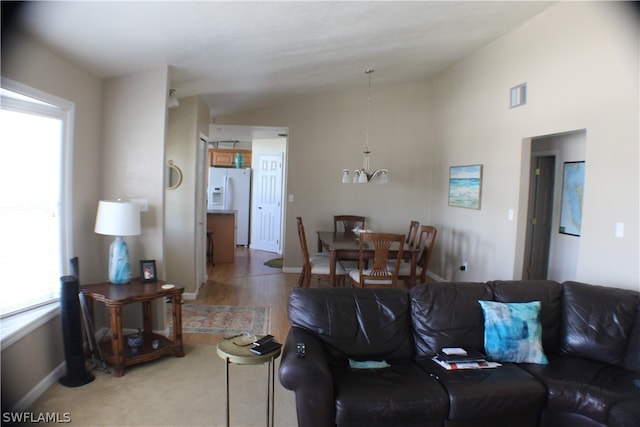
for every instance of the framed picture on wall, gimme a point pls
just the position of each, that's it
(148, 271)
(572, 194)
(465, 186)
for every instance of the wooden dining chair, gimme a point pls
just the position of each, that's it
(380, 273)
(412, 234)
(412, 274)
(347, 222)
(316, 265)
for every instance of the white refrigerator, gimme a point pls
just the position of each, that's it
(230, 190)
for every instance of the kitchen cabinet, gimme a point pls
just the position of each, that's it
(227, 158)
(223, 225)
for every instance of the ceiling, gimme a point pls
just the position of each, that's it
(240, 55)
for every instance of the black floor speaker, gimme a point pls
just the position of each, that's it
(77, 374)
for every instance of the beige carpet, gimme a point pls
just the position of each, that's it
(172, 391)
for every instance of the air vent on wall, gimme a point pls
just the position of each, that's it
(518, 95)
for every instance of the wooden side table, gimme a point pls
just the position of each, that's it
(231, 352)
(116, 351)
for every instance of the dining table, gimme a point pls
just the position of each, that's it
(345, 245)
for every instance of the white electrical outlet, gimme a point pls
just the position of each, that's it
(619, 229)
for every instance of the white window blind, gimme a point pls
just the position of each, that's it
(33, 203)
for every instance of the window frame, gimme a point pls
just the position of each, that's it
(50, 106)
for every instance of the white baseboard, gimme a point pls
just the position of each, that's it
(435, 277)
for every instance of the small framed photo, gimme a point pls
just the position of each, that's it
(148, 271)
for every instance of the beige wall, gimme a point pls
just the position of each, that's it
(132, 156)
(327, 134)
(186, 123)
(580, 61)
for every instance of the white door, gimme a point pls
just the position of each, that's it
(268, 202)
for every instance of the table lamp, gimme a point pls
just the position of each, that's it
(118, 218)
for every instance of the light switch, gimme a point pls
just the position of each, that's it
(290, 198)
(510, 214)
(619, 229)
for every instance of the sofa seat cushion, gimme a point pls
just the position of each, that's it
(586, 387)
(625, 414)
(400, 395)
(489, 393)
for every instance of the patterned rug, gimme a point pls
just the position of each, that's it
(223, 319)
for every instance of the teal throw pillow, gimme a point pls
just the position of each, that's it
(512, 332)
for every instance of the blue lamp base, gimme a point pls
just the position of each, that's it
(119, 267)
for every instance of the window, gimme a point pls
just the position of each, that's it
(34, 207)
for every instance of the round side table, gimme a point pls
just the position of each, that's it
(237, 351)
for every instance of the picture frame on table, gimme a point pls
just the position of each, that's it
(465, 186)
(148, 271)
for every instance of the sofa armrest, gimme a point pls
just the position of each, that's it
(309, 377)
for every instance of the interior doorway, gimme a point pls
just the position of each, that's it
(268, 147)
(267, 203)
(548, 253)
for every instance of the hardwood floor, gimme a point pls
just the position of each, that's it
(247, 282)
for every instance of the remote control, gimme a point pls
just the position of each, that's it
(264, 340)
(266, 347)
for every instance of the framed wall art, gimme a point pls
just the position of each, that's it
(148, 271)
(465, 186)
(572, 194)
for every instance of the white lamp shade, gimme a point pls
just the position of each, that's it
(117, 218)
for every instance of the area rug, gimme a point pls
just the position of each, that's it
(223, 319)
(275, 263)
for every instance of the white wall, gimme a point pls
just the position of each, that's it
(580, 61)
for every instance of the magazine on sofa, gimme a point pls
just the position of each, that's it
(476, 364)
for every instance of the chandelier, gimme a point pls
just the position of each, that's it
(363, 176)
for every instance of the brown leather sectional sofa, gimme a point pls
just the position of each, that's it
(590, 336)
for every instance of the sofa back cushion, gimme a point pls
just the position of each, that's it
(448, 315)
(355, 323)
(632, 356)
(597, 322)
(548, 292)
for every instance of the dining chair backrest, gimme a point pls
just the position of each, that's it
(412, 234)
(378, 273)
(426, 241)
(303, 243)
(347, 222)
(316, 267)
